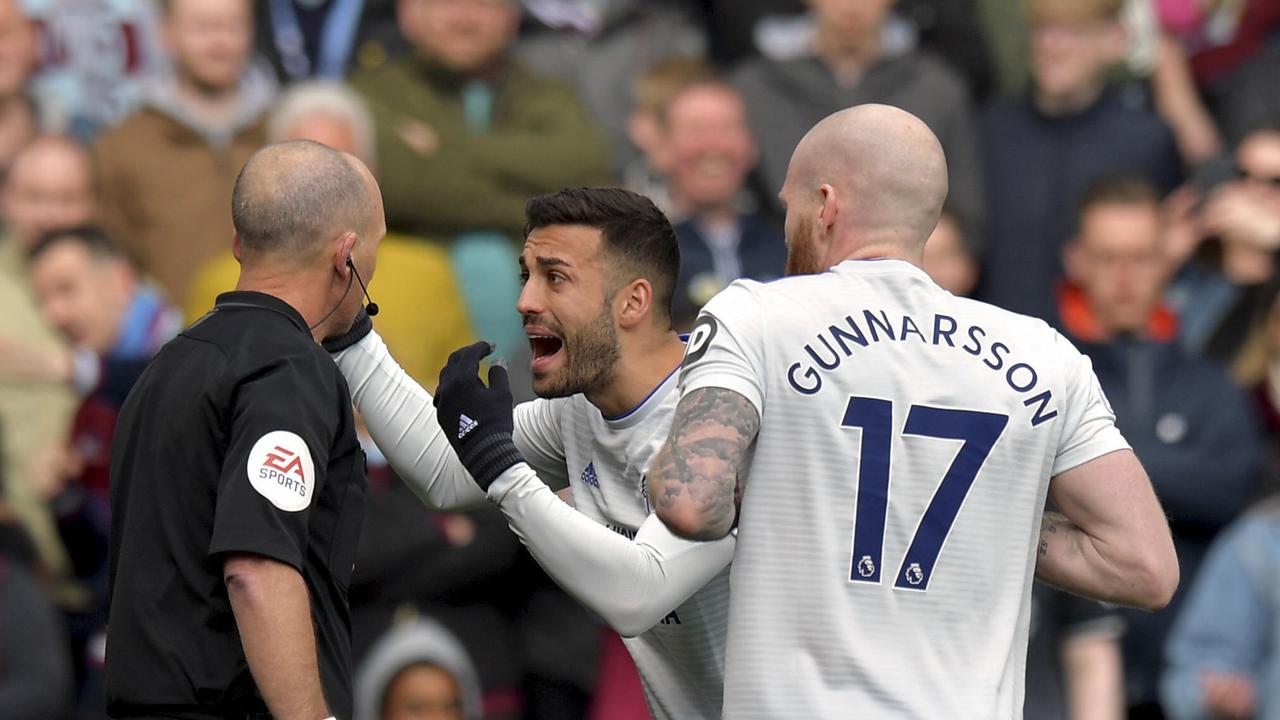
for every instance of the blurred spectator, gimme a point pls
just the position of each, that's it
(412, 275)
(455, 567)
(948, 29)
(95, 58)
(1258, 371)
(167, 172)
(465, 135)
(948, 258)
(18, 121)
(417, 671)
(1233, 56)
(709, 149)
(1042, 152)
(603, 47)
(1228, 222)
(1224, 650)
(48, 187)
(325, 38)
(1074, 666)
(650, 94)
(1178, 101)
(35, 674)
(848, 63)
(1199, 444)
(115, 323)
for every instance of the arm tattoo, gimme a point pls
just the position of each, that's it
(698, 468)
(1055, 530)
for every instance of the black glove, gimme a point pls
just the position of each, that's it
(477, 419)
(361, 326)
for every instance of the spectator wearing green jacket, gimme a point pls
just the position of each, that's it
(465, 136)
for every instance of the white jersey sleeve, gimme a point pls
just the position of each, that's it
(632, 584)
(716, 356)
(401, 417)
(1089, 424)
(402, 420)
(539, 438)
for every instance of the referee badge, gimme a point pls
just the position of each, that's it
(281, 470)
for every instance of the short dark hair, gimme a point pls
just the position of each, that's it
(291, 195)
(1118, 190)
(90, 237)
(634, 232)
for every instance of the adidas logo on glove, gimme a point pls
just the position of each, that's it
(466, 425)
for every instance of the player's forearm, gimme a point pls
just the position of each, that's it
(694, 478)
(401, 418)
(273, 614)
(632, 584)
(1115, 572)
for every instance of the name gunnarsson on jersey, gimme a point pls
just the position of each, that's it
(836, 343)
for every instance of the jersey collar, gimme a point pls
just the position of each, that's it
(637, 414)
(239, 299)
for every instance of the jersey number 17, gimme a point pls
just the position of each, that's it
(978, 430)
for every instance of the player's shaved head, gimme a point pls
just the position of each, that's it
(869, 179)
(292, 197)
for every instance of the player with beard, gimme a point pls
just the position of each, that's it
(887, 479)
(599, 269)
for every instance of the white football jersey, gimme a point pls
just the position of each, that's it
(891, 507)
(605, 461)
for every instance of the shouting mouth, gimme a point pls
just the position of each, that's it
(545, 345)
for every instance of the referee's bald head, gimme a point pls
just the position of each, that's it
(293, 197)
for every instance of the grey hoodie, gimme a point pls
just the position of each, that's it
(420, 641)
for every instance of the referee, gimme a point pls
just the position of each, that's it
(237, 483)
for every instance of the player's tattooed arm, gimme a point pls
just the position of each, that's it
(694, 480)
(1056, 531)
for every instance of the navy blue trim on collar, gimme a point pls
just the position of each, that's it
(632, 411)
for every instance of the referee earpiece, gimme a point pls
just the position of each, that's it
(371, 307)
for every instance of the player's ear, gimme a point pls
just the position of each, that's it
(235, 246)
(830, 206)
(634, 303)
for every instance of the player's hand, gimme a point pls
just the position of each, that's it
(477, 419)
(360, 327)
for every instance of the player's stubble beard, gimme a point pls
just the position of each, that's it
(802, 251)
(591, 355)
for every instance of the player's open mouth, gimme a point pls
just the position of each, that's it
(544, 345)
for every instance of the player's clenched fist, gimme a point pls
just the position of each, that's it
(477, 419)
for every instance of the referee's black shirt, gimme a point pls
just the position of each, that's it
(237, 438)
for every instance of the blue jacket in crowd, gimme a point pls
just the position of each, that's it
(1229, 620)
(1037, 169)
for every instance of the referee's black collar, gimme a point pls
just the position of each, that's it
(263, 301)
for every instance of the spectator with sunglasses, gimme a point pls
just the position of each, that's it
(1229, 230)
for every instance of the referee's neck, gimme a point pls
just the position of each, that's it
(300, 289)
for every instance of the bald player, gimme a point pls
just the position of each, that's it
(885, 449)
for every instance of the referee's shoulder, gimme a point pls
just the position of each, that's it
(254, 348)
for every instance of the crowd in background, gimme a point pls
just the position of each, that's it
(1114, 170)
